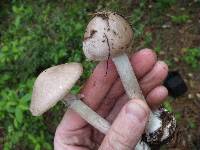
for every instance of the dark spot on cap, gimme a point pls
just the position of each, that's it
(91, 35)
(115, 33)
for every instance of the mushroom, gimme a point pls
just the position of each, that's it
(53, 85)
(109, 35)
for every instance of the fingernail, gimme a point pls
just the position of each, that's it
(137, 111)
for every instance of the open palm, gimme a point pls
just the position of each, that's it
(104, 93)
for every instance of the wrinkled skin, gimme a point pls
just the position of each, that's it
(104, 93)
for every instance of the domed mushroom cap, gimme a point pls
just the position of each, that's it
(107, 34)
(52, 85)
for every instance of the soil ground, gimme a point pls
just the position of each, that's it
(187, 107)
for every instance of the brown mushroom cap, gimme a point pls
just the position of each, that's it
(52, 85)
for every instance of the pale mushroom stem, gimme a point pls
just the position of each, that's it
(95, 119)
(132, 87)
(89, 115)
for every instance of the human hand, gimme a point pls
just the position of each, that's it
(104, 93)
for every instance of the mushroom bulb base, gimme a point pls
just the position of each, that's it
(166, 132)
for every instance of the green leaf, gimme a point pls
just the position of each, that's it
(17, 21)
(18, 115)
(16, 124)
(168, 106)
(26, 98)
(37, 147)
(75, 89)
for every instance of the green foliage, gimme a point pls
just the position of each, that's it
(157, 11)
(178, 116)
(111, 5)
(140, 19)
(180, 19)
(169, 62)
(15, 118)
(163, 4)
(158, 46)
(192, 57)
(136, 20)
(54, 33)
(37, 35)
(168, 106)
(148, 39)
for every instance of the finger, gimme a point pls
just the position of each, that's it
(142, 61)
(154, 78)
(157, 96)
(120, 102)
(99, 83)
(117, 108)
(128, 127)
(115, 92)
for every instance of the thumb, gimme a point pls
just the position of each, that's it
(128, 127)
